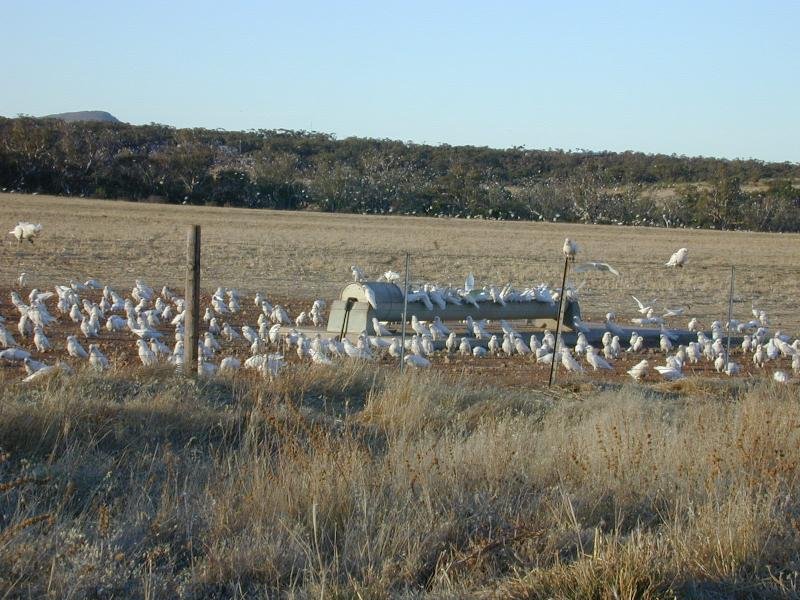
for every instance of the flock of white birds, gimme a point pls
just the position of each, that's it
(153, 322)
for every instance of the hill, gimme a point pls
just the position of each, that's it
(85, 115)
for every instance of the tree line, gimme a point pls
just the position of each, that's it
(301, 170)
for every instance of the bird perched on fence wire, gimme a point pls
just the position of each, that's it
(678, 258)
(26, 231)
(570, 249)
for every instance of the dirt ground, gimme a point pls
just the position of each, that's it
(295, 257)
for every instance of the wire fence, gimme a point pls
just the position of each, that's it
(302, 272)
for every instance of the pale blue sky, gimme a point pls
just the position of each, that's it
(695, 78)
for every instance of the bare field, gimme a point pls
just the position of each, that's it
(305, 254)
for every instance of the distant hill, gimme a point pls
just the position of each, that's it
(85, 115)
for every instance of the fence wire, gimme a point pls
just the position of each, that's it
(297, 271)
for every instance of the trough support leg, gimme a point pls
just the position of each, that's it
(405, 315)
(558, 322)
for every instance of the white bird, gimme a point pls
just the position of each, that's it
(570, 250)
(568, 362)
(464, 347)
(479, 352)
(230, 333)
(437, 322)
(394, 348)
(26, 231)
(274, 334)
(639, 370)
(417, 361)
(391, 276)
(378, 327)
(31, 366)
(249, 334)
(595, 266)
(494, 345)
(40, 340)
(358, 274)
(6, 338)
(678, 258)
(369, 294)
(520, 346)
(229, 364)
(279, 315)
(14, 354)
(694, 325)
(75, 314)
(452, 341)
(146, 355)
(417, 326)
(318, 358)
(642, 308)
(74, 348)
(158, 347)
(469, 283)
(96, 358)
(507, 345)
(22, 279)
(732, 368)
(670, 372)
(88, 328)
(780, 376)
(596, 361)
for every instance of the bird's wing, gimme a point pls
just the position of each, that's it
(639, 302)
(595, 266)
(469, 283)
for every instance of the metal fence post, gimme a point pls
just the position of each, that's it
(558, 321)
(191, 321)
(730, 317)
(405, 316)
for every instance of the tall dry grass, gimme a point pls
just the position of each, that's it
(361, 482)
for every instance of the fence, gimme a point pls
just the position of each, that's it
(298, 273)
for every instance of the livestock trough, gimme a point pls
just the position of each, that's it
(353, 314)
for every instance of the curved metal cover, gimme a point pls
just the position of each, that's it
(385, 293)
(388, 297)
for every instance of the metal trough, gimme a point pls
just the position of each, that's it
(353, 313)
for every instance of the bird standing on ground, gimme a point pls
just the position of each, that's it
(26, 231)
(678, 258)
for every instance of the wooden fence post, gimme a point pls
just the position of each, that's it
(191, 321)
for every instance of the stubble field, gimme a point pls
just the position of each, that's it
(308, 255)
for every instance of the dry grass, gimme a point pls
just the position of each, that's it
(360, 482)
(309, 254)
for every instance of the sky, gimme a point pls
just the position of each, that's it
(690, 78)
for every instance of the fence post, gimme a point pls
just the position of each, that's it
(405, 316)
(191, 321)
(730, 316)
(558, 321)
